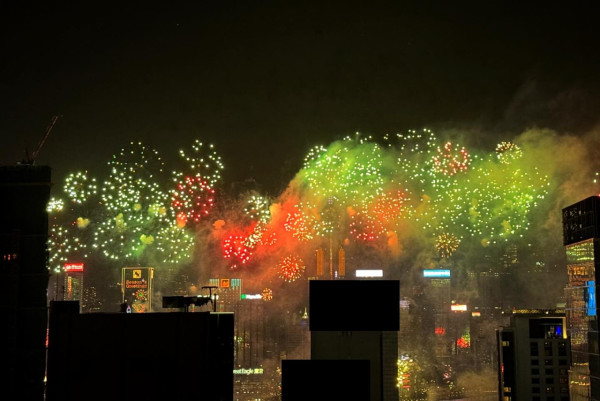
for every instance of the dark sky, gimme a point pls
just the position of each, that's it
(265, 81)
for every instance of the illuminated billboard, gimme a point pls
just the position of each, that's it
(436, 273)
(251, 296)
(73, 267)
(136, 287)
(249, 371)
(369, 273)
(458, 308)
(226, 282)
(590, 298)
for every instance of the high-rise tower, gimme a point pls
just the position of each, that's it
(581, 236)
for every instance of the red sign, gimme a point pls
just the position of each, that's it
(73, 267)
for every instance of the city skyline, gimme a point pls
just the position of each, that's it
(282, 143)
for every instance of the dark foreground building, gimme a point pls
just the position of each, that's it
(354, 328)
(139, 356)
(24, 194)
(534, 357)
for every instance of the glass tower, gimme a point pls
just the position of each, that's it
(580, 237)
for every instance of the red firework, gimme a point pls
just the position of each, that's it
(299, 226)
(379, 217)
(448, 163)
(268, 238)
(290, 268)
(192, 197)
(364, 227)
(235, 247)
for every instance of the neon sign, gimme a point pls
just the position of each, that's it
(73, 267)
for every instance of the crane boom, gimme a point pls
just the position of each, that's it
(31, 159)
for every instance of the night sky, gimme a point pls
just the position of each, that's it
(266, 81)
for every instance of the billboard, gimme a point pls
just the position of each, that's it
(590, 297)
(136, 287)
(458, 307)
(436, 273)
(369, 273)
(73, 267)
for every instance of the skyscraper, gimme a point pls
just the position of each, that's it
(581, 236)
(24, 194)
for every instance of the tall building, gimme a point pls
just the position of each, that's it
(439, 293)
(73, 282)
(581, 236)
(533, 357)
(256, 345)
(357, 320)
(24, 195)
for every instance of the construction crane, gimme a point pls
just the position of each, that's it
(30, 159)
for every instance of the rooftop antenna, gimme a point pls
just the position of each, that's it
(213, 301)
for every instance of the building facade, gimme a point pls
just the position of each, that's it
(581, 236)
(534, 357)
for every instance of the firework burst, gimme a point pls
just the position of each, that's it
(191, 199)
(290, 268)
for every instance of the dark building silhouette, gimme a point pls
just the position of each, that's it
(24, 195)
(351, 320)
(338, 380)
(146, 356)
(581, 236)
(534, 357)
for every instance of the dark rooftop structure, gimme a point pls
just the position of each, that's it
(147, 356)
